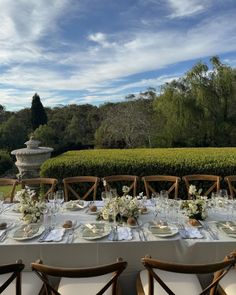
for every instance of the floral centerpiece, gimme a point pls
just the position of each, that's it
(195, 208)
(120, 208)
(31, 206)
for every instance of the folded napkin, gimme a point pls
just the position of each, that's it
(123, 233)
(94, 230)
(228, 227)
(160, 230)
(55, 235)
(193, 233)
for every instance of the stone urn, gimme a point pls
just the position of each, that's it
(29, 159)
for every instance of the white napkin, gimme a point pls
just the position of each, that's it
(193, 233)
(55, 235)
(123, 233)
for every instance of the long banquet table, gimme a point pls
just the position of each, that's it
(82, 253)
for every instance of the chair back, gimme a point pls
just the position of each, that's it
(208, 183)
(80, 187)
(12, 183)
(172, 183)
(120, 180)
(219, 270)
(14, 270)
(41, 185)
(231, 181)
(115, 269)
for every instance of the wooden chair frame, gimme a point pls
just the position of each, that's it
(80, 179)
(43, 271)
(232, 189)
(174, 180)
(203, 177)
(119, 178)
(14, 270)
(41, 181)
(219, 269)
(10, 182)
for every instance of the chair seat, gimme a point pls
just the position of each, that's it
(180, 284)
(88, 286)
(228, 283)
(31, 284)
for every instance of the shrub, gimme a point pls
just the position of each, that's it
(6, 161)
(140, 162)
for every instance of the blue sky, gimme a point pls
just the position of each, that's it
(95, 51)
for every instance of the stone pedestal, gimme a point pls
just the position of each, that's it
(29, 159)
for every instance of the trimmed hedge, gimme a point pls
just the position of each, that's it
(165, 161)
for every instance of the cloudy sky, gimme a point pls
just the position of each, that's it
(95, 51)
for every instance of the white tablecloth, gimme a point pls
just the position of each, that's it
(82, 253)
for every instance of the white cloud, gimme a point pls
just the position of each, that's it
(101, 68)
(22, 26)
(183, 8)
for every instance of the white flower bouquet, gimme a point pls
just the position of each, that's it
(31, 206)
(195, 208)
(120, 208)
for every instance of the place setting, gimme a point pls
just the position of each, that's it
(161, 229)
(227, 227)
(94, 230)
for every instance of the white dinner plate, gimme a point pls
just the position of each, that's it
(19, 235)
(100, 230)
(173, 231)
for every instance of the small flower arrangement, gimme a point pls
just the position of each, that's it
(195, 208)
(31, 207)
(120, 208)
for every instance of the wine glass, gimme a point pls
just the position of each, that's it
(59, 197)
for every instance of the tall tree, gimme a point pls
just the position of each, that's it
(38, 113)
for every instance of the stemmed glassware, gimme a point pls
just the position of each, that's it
(59, 197)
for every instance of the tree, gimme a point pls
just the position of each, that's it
(198, 109)
(38, 113)
(127, 125)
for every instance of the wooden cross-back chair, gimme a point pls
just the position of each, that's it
(89, 281)
(41, 184)
(211, 181)
(74, 186)
(161, 277)
(227, 285)
(9, 274)
(12, 183)
(231, 181)
(171, 181)
(127, 180)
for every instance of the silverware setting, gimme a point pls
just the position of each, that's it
(3, 236)
(141, 234)
(114, 233)
(45, 235)
(209, 230)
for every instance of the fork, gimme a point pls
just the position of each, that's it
(3, 236)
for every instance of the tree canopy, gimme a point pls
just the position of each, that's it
(198, 109)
